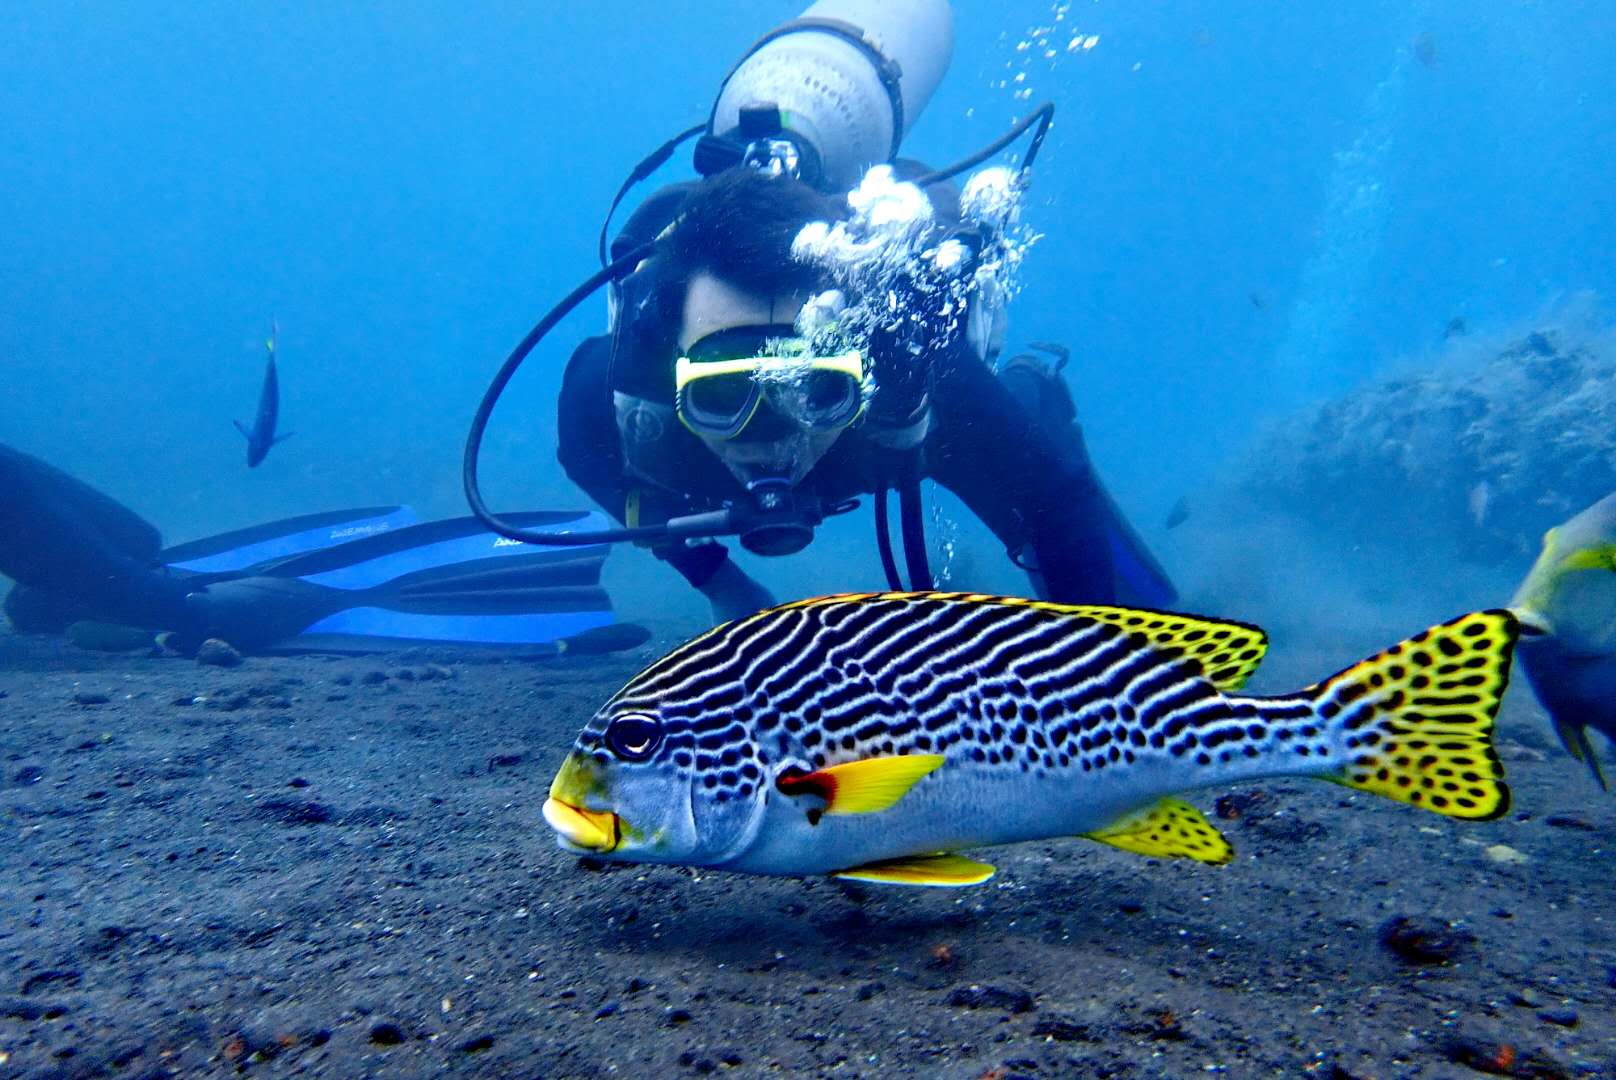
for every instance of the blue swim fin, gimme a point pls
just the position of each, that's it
(1140, 580)
(443, 582)
(240, 551)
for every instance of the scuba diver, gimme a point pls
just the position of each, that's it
(364, 580)
(709, 408)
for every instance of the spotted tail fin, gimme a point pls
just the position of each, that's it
(1415, 722)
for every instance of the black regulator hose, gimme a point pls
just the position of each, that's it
(883, 542)
(479, 422)
(1043, 116)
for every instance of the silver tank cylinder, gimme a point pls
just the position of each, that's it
(850, 77)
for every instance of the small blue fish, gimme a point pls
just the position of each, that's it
(262, 434)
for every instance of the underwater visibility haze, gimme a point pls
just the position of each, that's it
(903, 490)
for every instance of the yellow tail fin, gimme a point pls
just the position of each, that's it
(1416, 721)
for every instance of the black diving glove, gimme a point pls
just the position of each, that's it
(927, 321)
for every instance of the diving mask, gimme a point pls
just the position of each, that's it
(725, 377)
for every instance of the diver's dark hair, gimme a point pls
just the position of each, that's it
(739, 226)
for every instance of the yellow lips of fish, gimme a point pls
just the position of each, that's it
(591, 829)
(564, 810)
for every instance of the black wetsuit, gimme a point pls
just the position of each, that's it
(1006, 444)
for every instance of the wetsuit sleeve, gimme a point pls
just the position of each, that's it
(992, 453)
(591, 453)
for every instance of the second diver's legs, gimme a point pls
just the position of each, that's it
(79, 554)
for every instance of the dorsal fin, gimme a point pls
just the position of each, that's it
(1226, 651)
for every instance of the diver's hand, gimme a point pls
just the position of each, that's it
(733, 595)
(927, 318)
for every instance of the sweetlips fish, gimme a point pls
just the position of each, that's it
(871, 736)
(1567, 611)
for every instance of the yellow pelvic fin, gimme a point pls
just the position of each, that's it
(1572, 737)
(862, 787)
(1228, 652)
(1169, 829)
(938, 871)
(1417, 720)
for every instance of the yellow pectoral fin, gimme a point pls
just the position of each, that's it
(938, 871)
(1169, 829)
(862, 787)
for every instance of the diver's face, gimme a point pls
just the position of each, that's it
(773, 446)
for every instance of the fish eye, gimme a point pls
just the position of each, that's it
(633, 737)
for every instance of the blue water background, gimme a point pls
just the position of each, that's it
(1244, 208)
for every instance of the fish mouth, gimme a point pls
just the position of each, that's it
(599, 831)
(1532, 622)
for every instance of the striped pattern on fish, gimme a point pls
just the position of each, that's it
(999, 720)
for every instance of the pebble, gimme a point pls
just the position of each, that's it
(1505, 855)
(90, 697)
(1526, 997)
(608, 1009)
(1131, 906)
(1563, 1017)
(477, 1044)
(386, 1033)
(297, 782)
(1239, 804)
(28, 774)
(868, 990)
(1422, 939)
(1064, 1029)
(216, 653)
(62, 976)
(1489, 1054)
(1570, 821)
(675, 1017)
(296, 812)
(1010, 999)
(19, 1008)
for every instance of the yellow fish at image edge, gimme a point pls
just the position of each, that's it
(1567, 609)
(872, 736)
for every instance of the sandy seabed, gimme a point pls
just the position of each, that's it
(336, 867)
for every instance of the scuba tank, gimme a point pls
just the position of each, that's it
(831, 93)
